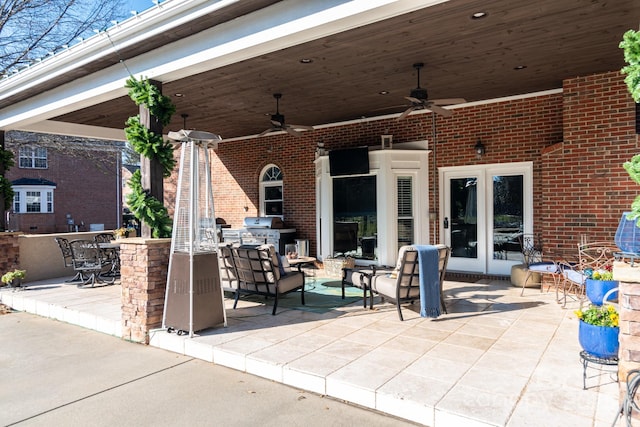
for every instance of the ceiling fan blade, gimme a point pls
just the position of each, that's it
(440, 110)
(448, 101)
(304, 127)
(405, 113)
(414, 100)
(264, 132)
(291, 131)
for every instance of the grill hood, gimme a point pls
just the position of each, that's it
(262, 222)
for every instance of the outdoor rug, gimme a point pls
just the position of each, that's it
(320, 296)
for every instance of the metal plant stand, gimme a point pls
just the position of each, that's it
(194, 299)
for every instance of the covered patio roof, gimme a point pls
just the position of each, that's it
(333, 61)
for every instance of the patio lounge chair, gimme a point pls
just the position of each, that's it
(401, 284)
(591, 257)
(228, 276)
(67, 257)
(88, 259)
(258, 272)
(535, 261)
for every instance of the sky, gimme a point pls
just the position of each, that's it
(137, 5)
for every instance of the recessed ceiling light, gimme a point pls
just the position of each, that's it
(519, 67)
(179, 95)
(384, 92)
(306, 61)
(479, 15)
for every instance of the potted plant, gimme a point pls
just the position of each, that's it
(14, 278)
(599, 283)
(122, 232)
(598, 330)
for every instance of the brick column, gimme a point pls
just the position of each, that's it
(629, 298)
(144, 266)
(9, 251)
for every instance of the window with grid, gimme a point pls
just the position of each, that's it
(405, 210)
(27, 199)
(32, 157)
(271, 201)
(16, 202)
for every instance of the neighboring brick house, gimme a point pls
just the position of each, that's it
(63, 183)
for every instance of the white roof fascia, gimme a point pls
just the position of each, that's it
(283, 25)
(74, 129)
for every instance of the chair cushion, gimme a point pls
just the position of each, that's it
(357, 277)
(544, 267)
(575, 276)
(401, 252)
(290, 281)
(385, 285)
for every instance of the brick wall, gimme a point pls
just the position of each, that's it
(629, 302)
(577, 141)
(9, 252)
(144, 265)
(585, 188)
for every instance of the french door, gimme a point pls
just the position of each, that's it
(483, 211)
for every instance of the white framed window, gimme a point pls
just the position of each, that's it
(33, 199)
(271, 201)
(404, 192)
(32, 157)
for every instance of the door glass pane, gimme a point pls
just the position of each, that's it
(508, 223)
(464, 221)
(355, 217)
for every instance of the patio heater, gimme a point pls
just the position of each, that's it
(194, 299)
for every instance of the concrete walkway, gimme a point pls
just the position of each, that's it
(57, 374)
(496, 359)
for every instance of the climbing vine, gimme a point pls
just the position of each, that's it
(144, 206)
(6, 160)
(631, 45)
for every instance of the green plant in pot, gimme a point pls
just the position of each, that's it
(599, 283)
(630, 44)
(598, 330)
(14, 278)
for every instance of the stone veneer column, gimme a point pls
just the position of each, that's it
(629, 298)
(9, 251)
(143, 264)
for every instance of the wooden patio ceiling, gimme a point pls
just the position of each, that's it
(518, 47)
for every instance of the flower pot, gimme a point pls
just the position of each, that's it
(627, 236)
(599, 341)
(596, 289)
(15, 283)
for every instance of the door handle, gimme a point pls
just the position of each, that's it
(446, 222)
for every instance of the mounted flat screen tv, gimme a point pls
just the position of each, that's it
(350, 161)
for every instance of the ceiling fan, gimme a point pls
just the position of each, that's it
(277, 120)
(420, 99)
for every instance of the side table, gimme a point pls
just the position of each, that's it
(303, 261)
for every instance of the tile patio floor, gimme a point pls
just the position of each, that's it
(496, 359)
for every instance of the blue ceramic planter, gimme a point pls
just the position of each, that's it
(627, 236)
(599, 341)
(596, 289)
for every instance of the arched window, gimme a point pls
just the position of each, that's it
(271, 191)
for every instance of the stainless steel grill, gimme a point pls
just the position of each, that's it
(260, 231)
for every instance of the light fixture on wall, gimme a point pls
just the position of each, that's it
(387, 141)
(320, 149)
(479, 148)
